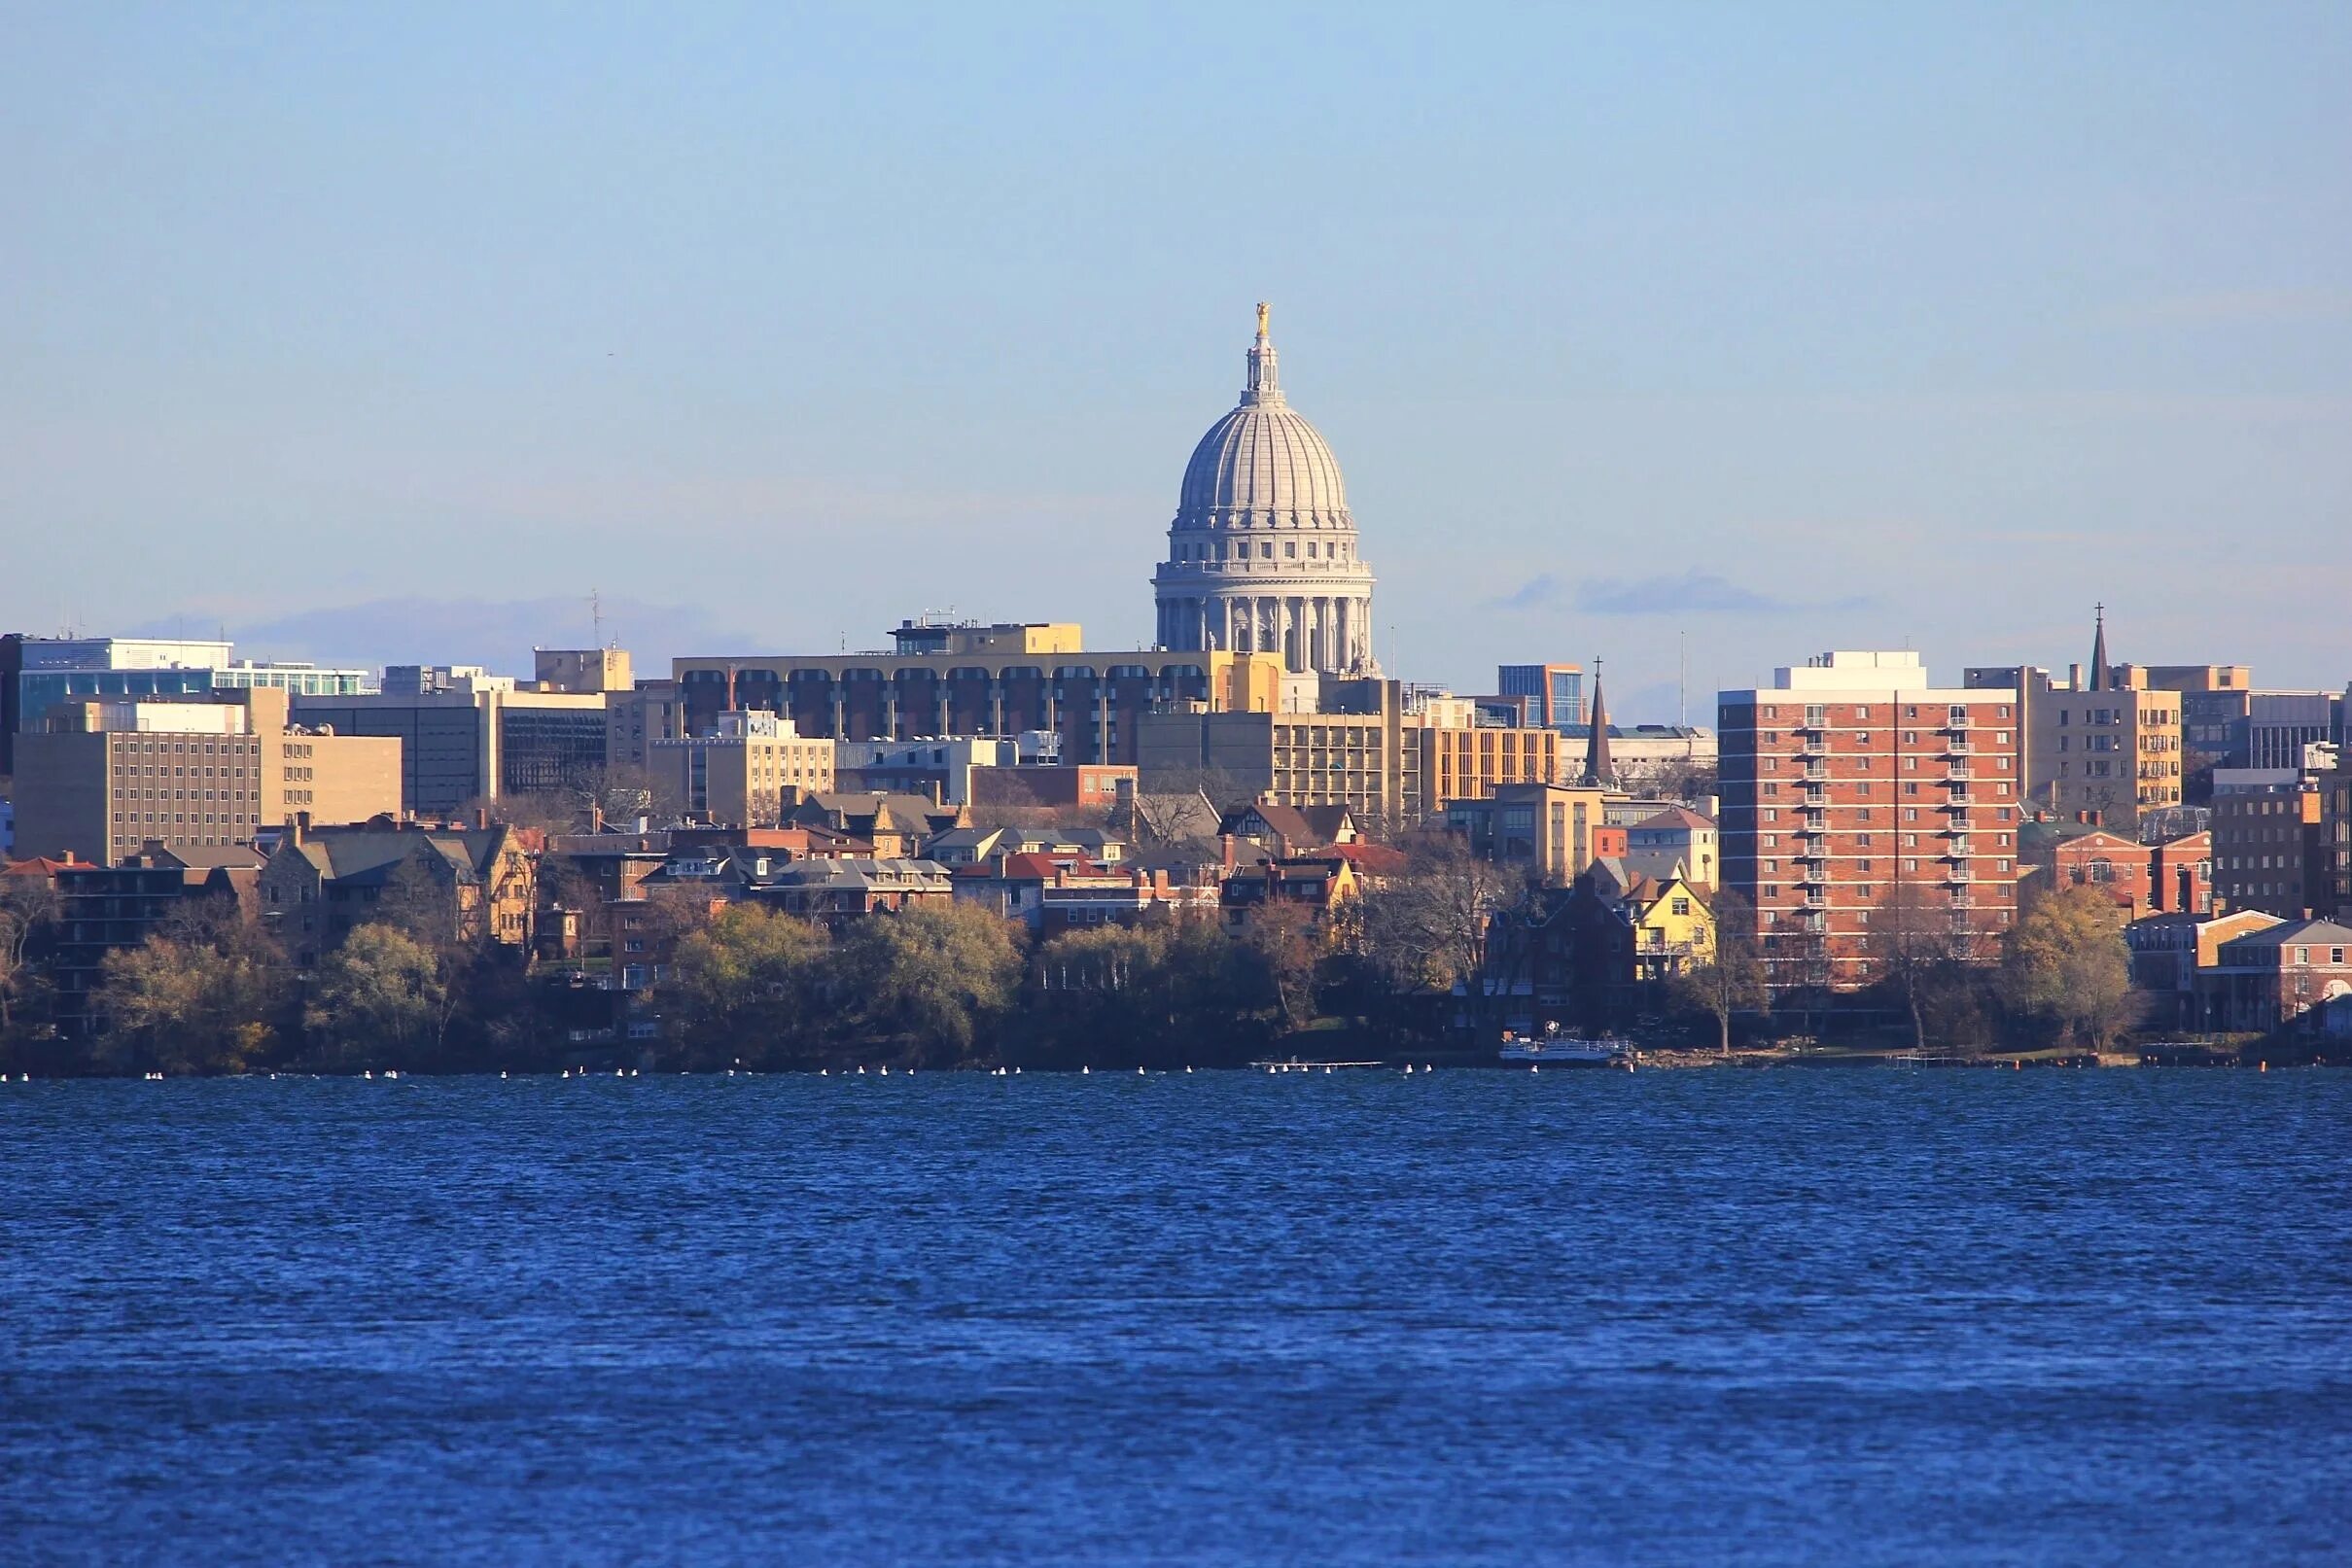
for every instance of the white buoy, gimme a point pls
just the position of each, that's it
(1139, 1072)
(1084, 1070)
(501, 1074)
(1187, 1069)
(1535, 1066)
(885, 1072)
(368, 1074)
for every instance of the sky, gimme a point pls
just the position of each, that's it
(1696, 338)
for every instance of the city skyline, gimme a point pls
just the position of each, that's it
(1628, 344)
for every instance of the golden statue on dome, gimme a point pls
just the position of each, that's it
(1263, 310)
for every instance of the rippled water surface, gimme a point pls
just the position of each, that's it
(1788, 1317)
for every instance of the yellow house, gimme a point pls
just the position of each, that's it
(1673, 930)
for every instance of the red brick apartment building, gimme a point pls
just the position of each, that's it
(1849, 777)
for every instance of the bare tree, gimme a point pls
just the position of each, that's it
(1913, 944)
(1731, 981)
(1427, 928)
(27, 903)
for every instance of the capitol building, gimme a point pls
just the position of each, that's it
(1262, 554)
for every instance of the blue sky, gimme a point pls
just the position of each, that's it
(1751, 330)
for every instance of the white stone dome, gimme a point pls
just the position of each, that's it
(1263, 462)
(1261, 555)
(1262, 458)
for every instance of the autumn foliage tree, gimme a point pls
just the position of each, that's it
(2066, 966)
(750, 984)
(204, 994)
(935, 979)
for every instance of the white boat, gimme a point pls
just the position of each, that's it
(1568, 1051)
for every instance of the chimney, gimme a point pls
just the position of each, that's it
(301, 830)
(482, 816)
(1225, 842)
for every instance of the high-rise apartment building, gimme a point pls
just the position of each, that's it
(1850, 778)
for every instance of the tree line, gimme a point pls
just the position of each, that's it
(1403, 967)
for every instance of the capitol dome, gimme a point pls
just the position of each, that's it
(1261, 554)
(1263, 457)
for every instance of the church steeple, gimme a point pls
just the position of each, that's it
(2101, 678)
(1598, 769)
(1265, 386)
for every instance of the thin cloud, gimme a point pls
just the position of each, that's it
(1538, 592)
(1695, 592)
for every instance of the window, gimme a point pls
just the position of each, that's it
(1682, 906)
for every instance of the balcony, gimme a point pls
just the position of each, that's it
(1959, 746)
(1815, 824)
(1958, 802)
(1959, 874)
(1815, 876)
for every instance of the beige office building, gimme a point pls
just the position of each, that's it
(1383, 763)
(109, 775)
(748, 772)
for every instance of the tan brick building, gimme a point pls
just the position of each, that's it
(109, 776)
(2101, 746)
(1390, 766)
(748, 770)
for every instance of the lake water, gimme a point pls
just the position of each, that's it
(1824, 1317)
